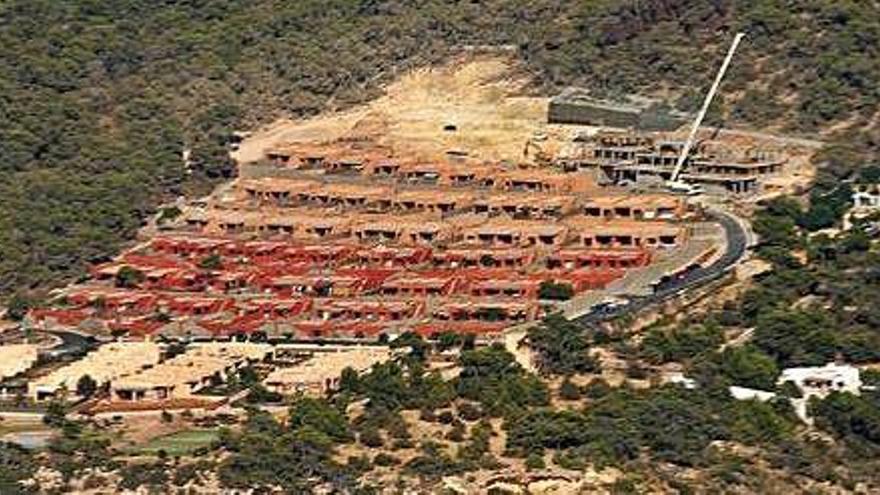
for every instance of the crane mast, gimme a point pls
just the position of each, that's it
(674, 182)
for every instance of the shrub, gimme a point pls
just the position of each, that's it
(456, 434)
(562, 347)
(469, 411)
(445, 417)
(568, 390)
(128, 277)
(535, 460)
(86, 386)
(383, 459)
(555, 291)
(371, 438)
(597, 388)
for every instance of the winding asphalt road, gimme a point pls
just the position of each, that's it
(737, 243)
(71, 343)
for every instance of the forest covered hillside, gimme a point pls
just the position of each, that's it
(100, 99)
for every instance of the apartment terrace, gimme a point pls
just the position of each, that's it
(411, 230)
(291, 287)
(315, 285)
(115, 300)
(334, 249)
(421, 284)
(516, 233)
(351, 196)
(392, 256)
(322, 329)
(544, 181)
(277, 191)
(366, 310)
(487, 311)
(188, 247)
(527, 205)
(141, 262)
(302, 156)
(636, 207)
(352, 157)
(321, 254)
(304, 224)
(483, 257)
(598, 258)
(628, 157)
(525, 288)
(439, 202)
(626, 233)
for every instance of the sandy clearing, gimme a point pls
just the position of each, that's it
(482, 97)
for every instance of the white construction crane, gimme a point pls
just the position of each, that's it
(675, 183)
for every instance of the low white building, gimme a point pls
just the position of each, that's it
(819, 381)
(866, 196)
(745, 393)
(813, 381)
(678, 378)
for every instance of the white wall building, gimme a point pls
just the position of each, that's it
(820, 381)
(745, 393)
(814, 381)
(866, 196)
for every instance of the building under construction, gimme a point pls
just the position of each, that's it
(578, 106)
(624, 156)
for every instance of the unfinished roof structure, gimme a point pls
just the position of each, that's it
(626, 156)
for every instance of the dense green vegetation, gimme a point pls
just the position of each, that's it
(295, 456)
(16, 464)
(837, 290)
(673, 423)
(100, 99)
(855, 419)
(674, 426)
(561, 347)
(662, 345)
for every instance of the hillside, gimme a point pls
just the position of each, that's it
(100, 99)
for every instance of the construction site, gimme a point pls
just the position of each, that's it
(383, 247)
(453, 204)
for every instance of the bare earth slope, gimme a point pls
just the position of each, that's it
(482, 97)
